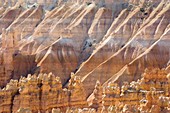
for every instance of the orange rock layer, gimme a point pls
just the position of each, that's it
(44, 92)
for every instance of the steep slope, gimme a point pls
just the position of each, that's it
(93, 39)
(103, 65)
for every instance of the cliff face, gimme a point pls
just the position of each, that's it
(100, 40)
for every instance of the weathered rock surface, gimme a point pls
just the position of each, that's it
(109, 41)
(44, 93)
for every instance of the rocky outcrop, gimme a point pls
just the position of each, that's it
(95, 99)
(44, 92)
(41, 93)
(144, 95)
(7, 94)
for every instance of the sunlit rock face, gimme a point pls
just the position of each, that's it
(44, 93)
(109, 41)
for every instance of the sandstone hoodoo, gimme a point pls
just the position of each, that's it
(84, 56)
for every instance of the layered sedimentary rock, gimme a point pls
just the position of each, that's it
(44, 93)
(81, 42)
(144, 95)
(125, 47)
